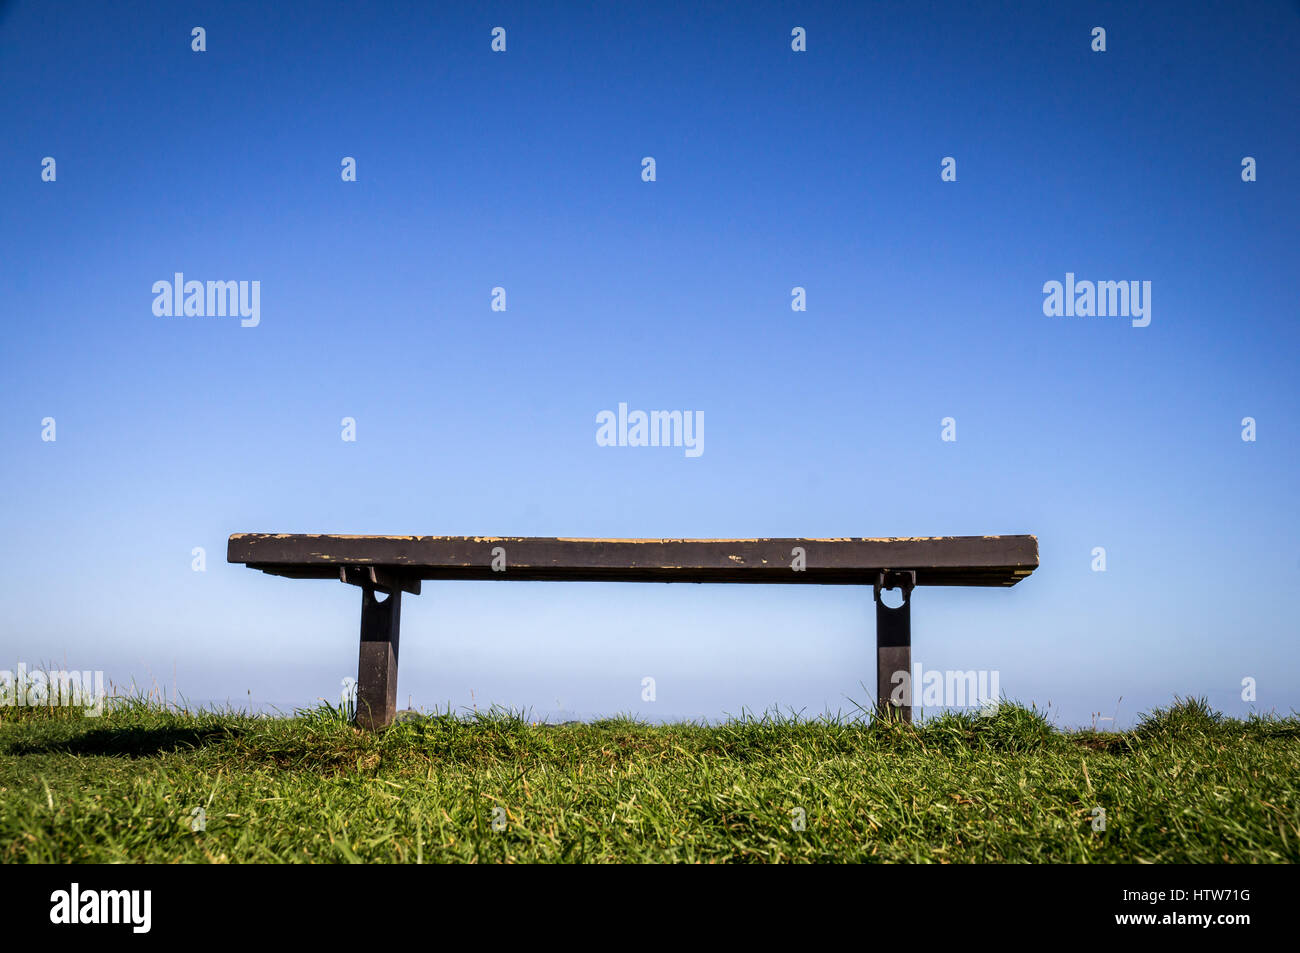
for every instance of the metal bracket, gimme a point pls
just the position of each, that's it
(384, 580)
(904, 579)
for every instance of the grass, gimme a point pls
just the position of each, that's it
(1186, 785)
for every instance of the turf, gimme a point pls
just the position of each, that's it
(1186, 785)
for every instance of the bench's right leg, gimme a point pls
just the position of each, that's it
(377, 665)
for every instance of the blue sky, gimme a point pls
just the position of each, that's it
(775, 169)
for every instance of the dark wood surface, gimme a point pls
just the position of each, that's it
(937, 560)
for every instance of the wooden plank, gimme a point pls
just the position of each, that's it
(937, 560)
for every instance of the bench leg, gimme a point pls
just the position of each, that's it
(894, 649)
(377, 665)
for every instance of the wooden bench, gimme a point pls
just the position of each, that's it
(395, 564)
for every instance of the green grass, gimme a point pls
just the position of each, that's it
(1186, 785)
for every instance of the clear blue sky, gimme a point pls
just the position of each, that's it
(775, 169)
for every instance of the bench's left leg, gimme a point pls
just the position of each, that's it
(894, 649)
(377, 665)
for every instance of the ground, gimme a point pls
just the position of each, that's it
(146, 783)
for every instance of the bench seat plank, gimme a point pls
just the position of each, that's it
(936, 560)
